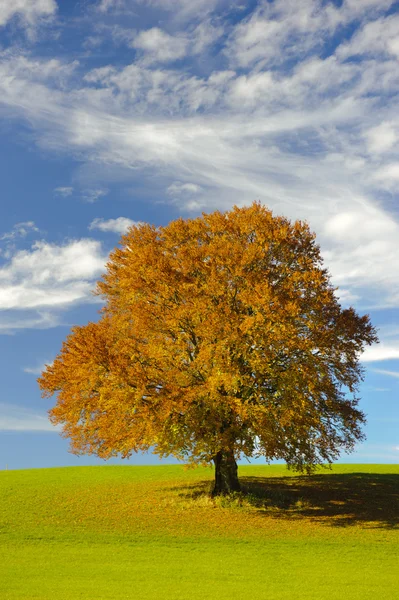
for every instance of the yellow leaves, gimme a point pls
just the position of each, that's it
(247, 323)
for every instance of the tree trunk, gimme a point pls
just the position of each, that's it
(226, 474)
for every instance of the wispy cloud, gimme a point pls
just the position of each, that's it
(38, 369)
(178, 188)
(159, 46)
(107, 5)
(17, 320)
(278, 31)
(93, 195)
(378, 37)
(64, 191)
(19, 418)
(28, 12)
(388, 373)
(20, 230)
(186, 192)
(181, 10)
(119, 225)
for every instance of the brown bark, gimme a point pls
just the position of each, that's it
(226, 474)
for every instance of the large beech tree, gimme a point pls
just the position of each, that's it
(220, 337)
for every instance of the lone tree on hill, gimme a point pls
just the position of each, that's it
(220, 337)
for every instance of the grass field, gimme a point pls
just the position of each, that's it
(153, 533)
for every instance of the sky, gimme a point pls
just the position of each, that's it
(114, 112)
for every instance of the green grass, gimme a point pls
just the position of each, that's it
(153, 533)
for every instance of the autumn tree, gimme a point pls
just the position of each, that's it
(221, 337)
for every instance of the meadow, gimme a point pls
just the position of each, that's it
(153, 533)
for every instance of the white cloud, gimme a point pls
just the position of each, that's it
(14, 321)
(159, 91)
(106, 5)
(29, 11)
(52, 70)
(355, 7)
(382, 137)
(19, 418)
(94, 194)
(388, 175)
(183, 188)
(285, 29)
(367, 224)
(346, 297)
(376, 37)
(389, 330)
(280, 30)
(20, 230)
(50, 276)
(159, 46)
(64, 191)
(190, 193)
(380, 352)
(363, 249)
(119, 225)
(204, 35)
(38, 369)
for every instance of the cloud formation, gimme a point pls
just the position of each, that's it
(92, 195)
(20, 230)
(28, 11)
(381, 352)
(64, 191)
(119, 225)
(280, 112)
(48, 275)
(159, 46)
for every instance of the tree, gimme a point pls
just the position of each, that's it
(221, 337)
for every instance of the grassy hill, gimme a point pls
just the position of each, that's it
(153, 533)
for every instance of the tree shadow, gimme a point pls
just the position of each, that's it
(338, 500)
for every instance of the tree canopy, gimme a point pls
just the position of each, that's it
(221, 336)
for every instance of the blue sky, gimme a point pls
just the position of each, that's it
(119, 111)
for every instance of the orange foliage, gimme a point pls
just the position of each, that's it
(219, 333)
